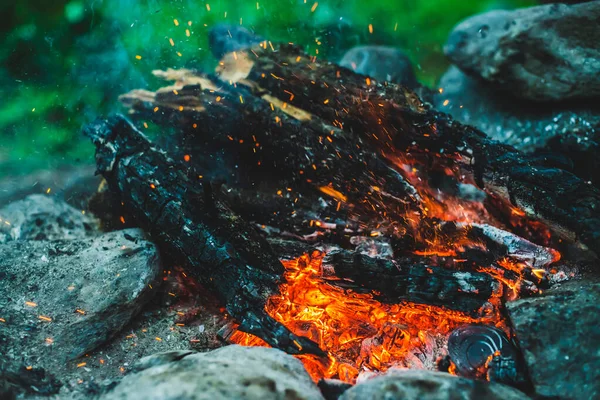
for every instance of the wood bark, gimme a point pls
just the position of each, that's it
(313, 150)
(278, 147)
(394, 120)
(395, 281)
(196, 229)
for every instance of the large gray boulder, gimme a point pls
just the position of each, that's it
(42, 217)
(428, 385)
(61, 299)
(560, 338)
(381, 63)
(542, 53)
(232, 372)
(517, 122)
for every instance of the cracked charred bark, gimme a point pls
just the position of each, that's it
(394, 282)
(394, 119)
(195, 229)
(198, 230)
(277, 146)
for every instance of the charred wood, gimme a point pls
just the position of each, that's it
(278, 143)
(394, 282)
(393, 119)
(195, 228)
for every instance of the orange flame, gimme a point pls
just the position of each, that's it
(359, 333)
(362, 335)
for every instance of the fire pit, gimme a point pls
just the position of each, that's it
(397, 227)
(281, 226)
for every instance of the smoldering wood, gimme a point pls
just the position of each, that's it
(277, 144)
(394, 282)
(219, 117)
(296, 126)
(193, 225)
(393, 119)
(196, 229)
(199, 231)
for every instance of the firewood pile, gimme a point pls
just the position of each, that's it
(339, 218)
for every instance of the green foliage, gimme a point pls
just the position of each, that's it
(69, 60)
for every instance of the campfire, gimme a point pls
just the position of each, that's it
(341, 219)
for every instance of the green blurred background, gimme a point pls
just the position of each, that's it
(64, 62)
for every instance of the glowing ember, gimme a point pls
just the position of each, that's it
(362, 335)
(359, 333)
(430, 213)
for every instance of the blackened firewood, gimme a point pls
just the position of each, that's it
(578, 149)
(394, 120)
(397, 280)
(394, 282)
(273, 141)
(199, 232)
(289, 249)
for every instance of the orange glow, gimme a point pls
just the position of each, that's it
(358, 332)
(441, 218)
(362, 335)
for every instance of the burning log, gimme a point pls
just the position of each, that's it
(271, 137)
(195, 228)
(393, 119)
(321, 158)
(394, 282)
(397, 280)
(199, 231)
(289, 142)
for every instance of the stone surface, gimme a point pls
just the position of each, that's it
(520, 123)
(61, 299)
(381, 63)
(560, 338)
(542, 53)
(42, 217)
(232, 372)
(181, 317)
(428, 385)
(225, 38)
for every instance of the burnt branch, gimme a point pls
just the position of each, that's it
(196, 228)
(274, 146)
(395, 281)
(393, 120)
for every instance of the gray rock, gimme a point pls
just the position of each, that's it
(232, 372)
(381, 63)
(428, 385)
(61, 299)
(541, 53)
(512, 121)
(559, 335)
(225, 38)
(42, 217)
